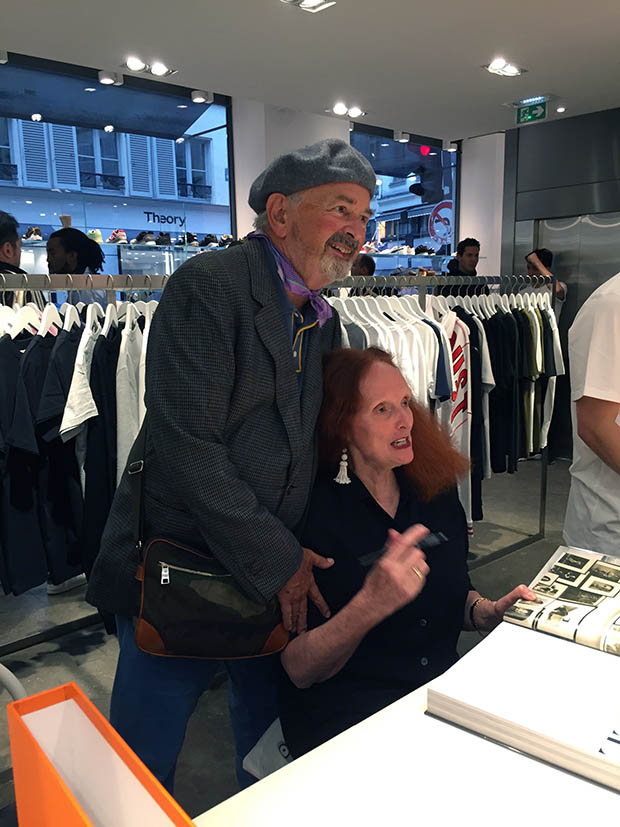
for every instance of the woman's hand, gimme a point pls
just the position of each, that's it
(489, 613)
(398, 576)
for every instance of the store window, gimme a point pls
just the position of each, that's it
(192, 167)
(414, 199)
(138, 161)
(8, 171)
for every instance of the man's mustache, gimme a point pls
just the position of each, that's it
(345, 241)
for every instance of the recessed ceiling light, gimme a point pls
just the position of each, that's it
(182, 106)
(401, 137)
(89, 89)
(28, 202)
(384, 144)
(36, 117)
(432, 153)
(124, 203)
(135, 64)
(159, 69)
(180, 140)
(42, 214)
(313, 6)
(378, 182)
(500, 66)
(451, 149)
(108, 128)
(560, 109)
(355, 112)
(340, 108)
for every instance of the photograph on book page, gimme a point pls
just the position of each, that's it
(579, 599)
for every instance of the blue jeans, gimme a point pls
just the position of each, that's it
(153, 698)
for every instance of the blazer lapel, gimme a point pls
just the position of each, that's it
(272, 332)
(312, 388)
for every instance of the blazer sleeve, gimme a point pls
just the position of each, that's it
(190, 379)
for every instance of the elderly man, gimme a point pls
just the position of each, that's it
(233, 390)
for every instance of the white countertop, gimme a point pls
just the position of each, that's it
(401, 767)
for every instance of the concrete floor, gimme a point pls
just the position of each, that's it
(205, 774)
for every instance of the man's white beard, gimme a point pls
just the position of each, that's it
(335, 269)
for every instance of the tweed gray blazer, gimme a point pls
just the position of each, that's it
(230, 440)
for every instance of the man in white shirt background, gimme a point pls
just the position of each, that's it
(593, 512)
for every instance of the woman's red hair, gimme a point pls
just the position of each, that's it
(436, 465)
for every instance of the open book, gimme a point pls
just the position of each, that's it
(542, 694)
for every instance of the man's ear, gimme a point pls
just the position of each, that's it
(278, 214)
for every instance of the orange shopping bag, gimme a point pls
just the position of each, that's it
(72, 768)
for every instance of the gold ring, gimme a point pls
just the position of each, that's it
(418, 572)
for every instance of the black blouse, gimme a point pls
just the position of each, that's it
(410, 647)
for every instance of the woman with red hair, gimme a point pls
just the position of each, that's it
(396, 612)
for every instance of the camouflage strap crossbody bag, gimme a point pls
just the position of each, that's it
(191, 606)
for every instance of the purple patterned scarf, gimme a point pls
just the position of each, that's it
(293, 281)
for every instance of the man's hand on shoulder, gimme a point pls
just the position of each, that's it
(293, 596)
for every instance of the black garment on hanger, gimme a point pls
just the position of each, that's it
(504, 403)
(100, 463)
(22, 564)
(58, 382)
(477, 416)
(46, 485)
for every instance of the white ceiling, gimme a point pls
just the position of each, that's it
(411, 66)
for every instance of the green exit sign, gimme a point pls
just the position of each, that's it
(527, 114)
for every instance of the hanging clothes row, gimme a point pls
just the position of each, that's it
(72, 389)
(484, 364)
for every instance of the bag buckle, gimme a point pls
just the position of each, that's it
(135, 467)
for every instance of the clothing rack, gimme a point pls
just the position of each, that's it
(83, 281)
(505, 285)
(157, 281)
(10, 282)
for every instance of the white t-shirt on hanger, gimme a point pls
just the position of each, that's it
(593, 512)
(127, 394)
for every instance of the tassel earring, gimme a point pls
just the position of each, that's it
(342, 476)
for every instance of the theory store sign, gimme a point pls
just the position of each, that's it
(156, 218)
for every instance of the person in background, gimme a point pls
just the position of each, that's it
(10, 252)
(467, 257)
(71, 251)
(593, 512)
(397, 612)
(364, 265)
(539, 263)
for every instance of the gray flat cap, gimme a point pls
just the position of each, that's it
(326, 162)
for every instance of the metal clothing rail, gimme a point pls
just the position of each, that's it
(506, 284)
(83, 281)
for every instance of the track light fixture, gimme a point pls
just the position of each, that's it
(198, 96)
(110, 78)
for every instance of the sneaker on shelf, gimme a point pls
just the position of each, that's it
(163, 239)
(113, 237)
(68, 585)
(36, 234)
(27, 234)
(121, 237)
(149, 238)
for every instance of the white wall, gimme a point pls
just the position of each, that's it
(481, 197)
(261, 133)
